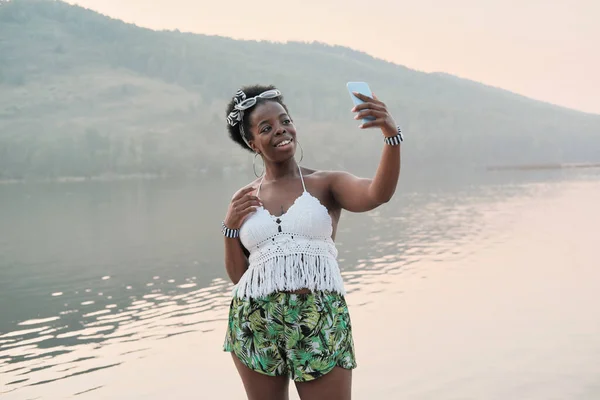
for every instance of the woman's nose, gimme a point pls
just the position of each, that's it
(280, 130)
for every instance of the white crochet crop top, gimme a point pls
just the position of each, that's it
(290, 252)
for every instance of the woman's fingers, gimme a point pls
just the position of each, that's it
(243, 192)
(371, 113)
(366, 98)
(377, 111)
(246, 211)
(379, 122)
(366, 106)
(245, 198)
(242, 205)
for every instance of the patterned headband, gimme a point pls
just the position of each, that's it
(242, 103)
(236, 115)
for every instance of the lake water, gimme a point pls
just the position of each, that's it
(468, 287)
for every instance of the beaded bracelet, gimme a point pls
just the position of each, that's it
(228, 232)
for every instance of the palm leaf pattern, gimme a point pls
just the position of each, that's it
(303, 336)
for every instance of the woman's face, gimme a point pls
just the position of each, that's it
(273, 132)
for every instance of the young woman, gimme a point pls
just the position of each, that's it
(288, 318)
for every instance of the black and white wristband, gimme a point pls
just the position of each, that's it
(395, 140)
(230, 233)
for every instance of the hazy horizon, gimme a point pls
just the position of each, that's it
(540, 50)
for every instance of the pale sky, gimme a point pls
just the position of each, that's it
(544, 49)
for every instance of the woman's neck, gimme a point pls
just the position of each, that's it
(282, 170)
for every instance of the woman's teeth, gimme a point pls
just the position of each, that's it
(285, 142)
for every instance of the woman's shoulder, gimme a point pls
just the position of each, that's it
(322, 175)
(315, 175)
(326, 179)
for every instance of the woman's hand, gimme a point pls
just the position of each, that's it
(372, 107)
(242, 204)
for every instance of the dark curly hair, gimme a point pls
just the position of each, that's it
(250, 91)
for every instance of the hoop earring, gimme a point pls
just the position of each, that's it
(301, 152)
(254, 166)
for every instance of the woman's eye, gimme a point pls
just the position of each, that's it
(265, 129)
(287, 121)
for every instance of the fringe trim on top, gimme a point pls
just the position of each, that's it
(291, 272)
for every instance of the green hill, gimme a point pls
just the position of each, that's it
(82, 94)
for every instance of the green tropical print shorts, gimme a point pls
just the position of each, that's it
(303, 336)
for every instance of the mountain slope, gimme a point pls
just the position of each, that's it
(82, 94)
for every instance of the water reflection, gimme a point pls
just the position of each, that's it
(120, 266)
(90, 338)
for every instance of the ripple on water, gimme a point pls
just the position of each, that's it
(37, 321)
(151, 316)
(23, 332)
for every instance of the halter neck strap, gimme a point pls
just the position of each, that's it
(301, 179)
(260, 185)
